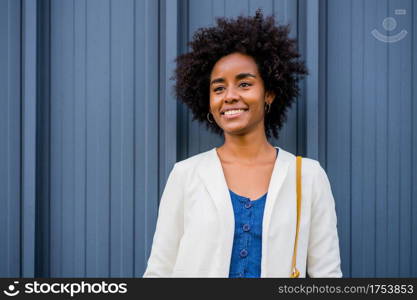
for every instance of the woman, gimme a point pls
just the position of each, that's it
(232, 211)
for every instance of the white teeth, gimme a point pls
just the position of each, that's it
(232, 112)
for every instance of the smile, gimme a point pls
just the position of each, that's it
(230, 114)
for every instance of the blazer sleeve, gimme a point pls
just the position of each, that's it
(323, 257)
(169, 228)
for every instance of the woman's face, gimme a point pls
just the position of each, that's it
(237, 94)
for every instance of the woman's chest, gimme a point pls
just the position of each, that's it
(251, 182)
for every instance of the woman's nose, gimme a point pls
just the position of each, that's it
(231, 94)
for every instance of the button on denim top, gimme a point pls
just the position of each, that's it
(247, 241)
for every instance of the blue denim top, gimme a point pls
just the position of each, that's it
(247, 241)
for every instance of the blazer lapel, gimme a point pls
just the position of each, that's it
(211, 172)
(278, 176)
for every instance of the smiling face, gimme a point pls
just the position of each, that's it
(237, 95)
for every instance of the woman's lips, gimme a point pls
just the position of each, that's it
(233, 116)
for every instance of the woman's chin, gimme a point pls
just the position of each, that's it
(235, 130)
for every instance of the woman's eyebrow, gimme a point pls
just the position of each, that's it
(217, 80)
(238, 77)
(244, 75)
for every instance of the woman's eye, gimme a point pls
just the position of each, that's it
(218, 89)
(245, 84)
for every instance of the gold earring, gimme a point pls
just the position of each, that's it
(208, 117)
(267, 107)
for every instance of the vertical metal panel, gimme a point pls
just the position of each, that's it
(63, 197)
(104, 117)
(399, 138)
(357, 126)
(169, 49)
(394, 150)
(28, 158)
(312, 81)
(405, 68)
(182, 111)
(322, 71)
(367, 212)
(10, 143)
(42, 265)
(122, 138)
(287, 13)
(61, 179)
(338, 121)
(146, 129)
(235, 8)
(369, 143)
(363, 133)
(80, 137)
(98, 87)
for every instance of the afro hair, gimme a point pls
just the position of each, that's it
(274, 52)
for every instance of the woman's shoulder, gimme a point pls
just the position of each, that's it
(308, 165)
(192, 161)
(312, 171)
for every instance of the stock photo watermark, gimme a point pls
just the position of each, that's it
(390, 24)
(71, 289)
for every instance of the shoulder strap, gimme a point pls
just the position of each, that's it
(294, 271)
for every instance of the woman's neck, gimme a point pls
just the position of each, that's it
(249, 148)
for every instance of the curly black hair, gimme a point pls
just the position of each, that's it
(274, 52)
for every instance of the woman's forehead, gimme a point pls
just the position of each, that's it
(234, 64)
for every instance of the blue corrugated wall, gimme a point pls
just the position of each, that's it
(10, 139)
(89, 129)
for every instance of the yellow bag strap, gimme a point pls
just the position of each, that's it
(294, 271)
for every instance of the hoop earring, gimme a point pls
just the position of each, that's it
(208, 117)
(267, 107)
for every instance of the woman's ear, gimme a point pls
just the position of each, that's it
(269, 97)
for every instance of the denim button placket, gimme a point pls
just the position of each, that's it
(246, 227)
(245, 211)
(243, 253)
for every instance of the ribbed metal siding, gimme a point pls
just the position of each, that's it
(103, 137)
(371, 136)
(10, 142)
(104, 122)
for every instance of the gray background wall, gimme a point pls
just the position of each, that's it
(89, 129)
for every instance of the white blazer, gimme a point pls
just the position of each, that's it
(195, 227)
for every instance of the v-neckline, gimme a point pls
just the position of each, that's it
(247, 198)
(224, 177)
